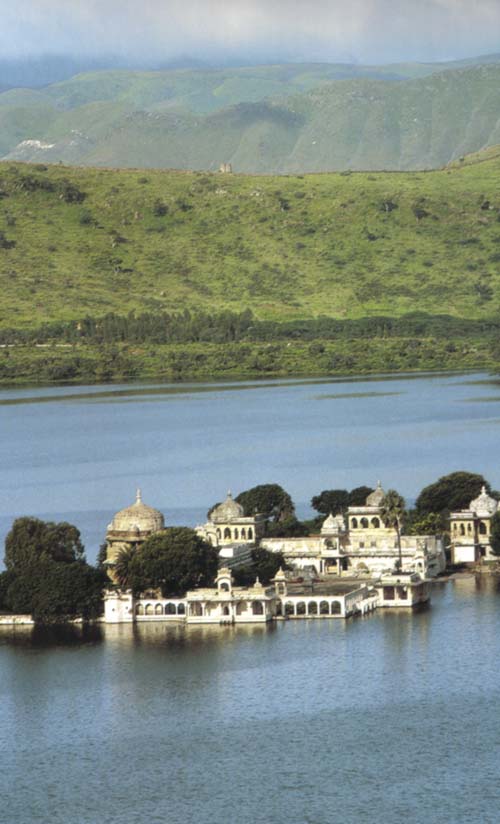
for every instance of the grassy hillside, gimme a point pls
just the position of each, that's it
(267, 119)
(84, 241)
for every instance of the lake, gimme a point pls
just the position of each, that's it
(78, 453)
(388, 718)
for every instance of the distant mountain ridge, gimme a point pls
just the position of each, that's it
(265, 119)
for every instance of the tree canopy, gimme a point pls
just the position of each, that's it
(265, 565)
(269, 499)
(47, 575)
(331, 500)
(450, 493)
(495, 533)
(31, 540)
(287, 528)
(336, 501)
(358, 495)
(173, 560)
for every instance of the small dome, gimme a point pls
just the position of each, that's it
(138, 518)
(228, 511)
(333, 523)
(375, 498)
(484, 504)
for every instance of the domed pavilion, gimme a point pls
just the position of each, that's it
(227, 525)
(470, 530)
(130, 527)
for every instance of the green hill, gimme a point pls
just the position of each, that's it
(88, 241)
(343, 272)
(266, 119)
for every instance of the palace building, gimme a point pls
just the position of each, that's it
(355, 546)
(233, 533)
(470, 530)
(360, 543)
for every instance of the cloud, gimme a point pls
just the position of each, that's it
(364, 30)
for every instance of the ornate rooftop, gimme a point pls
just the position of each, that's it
(138, 518)
(229, 510)
(484, 505)
(376, 497)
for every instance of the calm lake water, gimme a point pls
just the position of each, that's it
(78, 453)
(389, 718)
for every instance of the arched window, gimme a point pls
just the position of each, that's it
(482, 528)
(289, 608)
(236, 534)
(227, 532)
(225, 610)
(324, 608)
(375, 523)
(313, 608)
(250, 532)
(218, 533)
(243, 533)
(354, 523)
(224, 587)
(181, 609)
(257, 608)
(158, 609)
(454, 527)
(462, 529)
(241, 607)
(170, 609)
(364, 523)
(139, 610)
(335, 608)
(150, 609)
(301, 608)
(195, 609)
(469, 529)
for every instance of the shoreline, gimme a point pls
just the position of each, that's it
(229, 376)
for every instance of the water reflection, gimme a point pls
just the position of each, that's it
(372, 719)
(51, 636)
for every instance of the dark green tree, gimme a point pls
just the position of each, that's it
(122, 565)
(31, 540)
(101, 557)
(450, 493)
(6, 580)
(358, 495)
(392, 512)
(67, 591)
(48, 575)
(331, 500)
(431, 524)
(495, 533)
(288, 528)
(264, 566)
(174, 560)
(268, 499)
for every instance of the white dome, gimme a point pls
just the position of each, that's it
(333, 524)
(375, 498)
(484, 504)
(138, 518)
(228, 511)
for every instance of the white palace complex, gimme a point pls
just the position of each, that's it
(350, 567)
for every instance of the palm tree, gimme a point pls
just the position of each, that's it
(122, 564)
(392, 510)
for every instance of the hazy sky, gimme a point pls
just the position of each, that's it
(358, 30)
